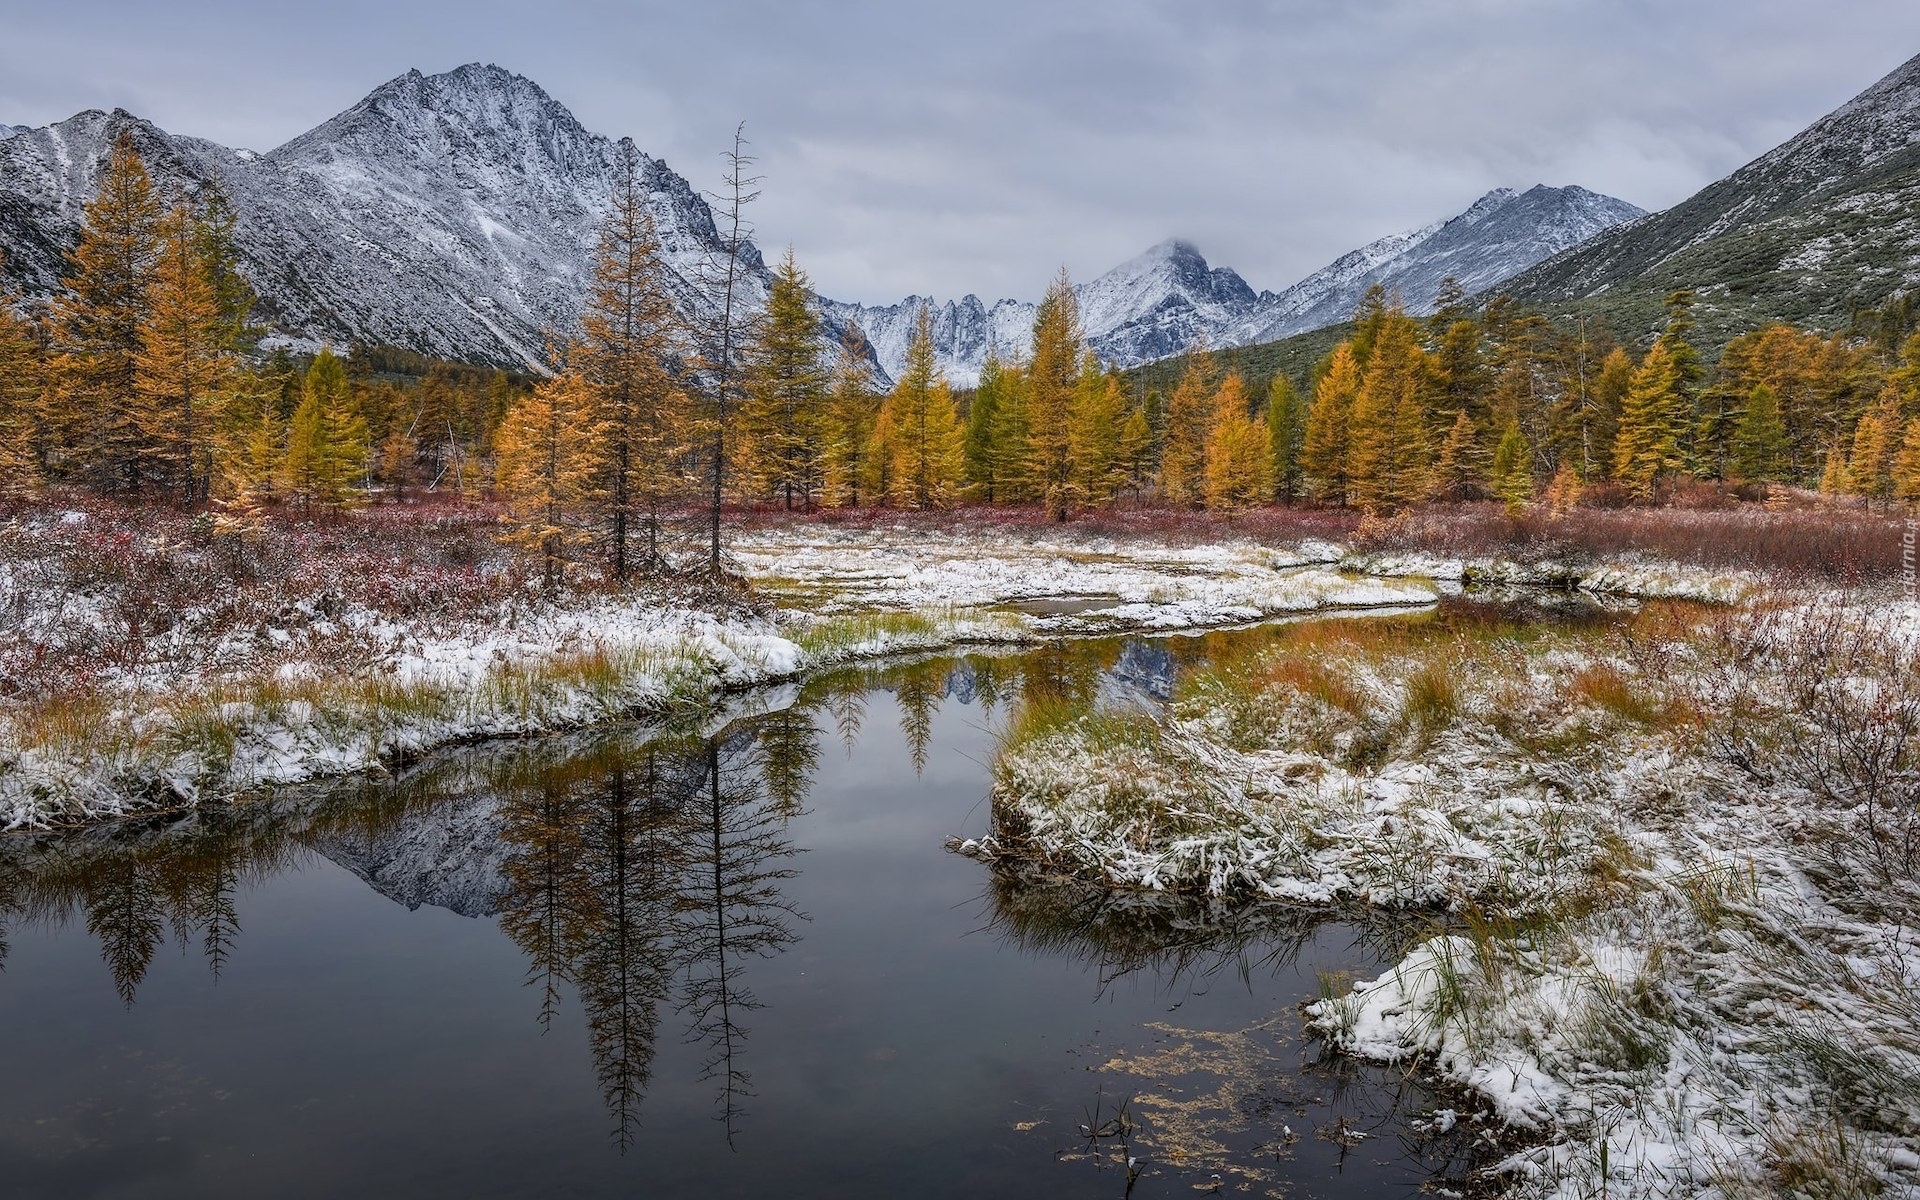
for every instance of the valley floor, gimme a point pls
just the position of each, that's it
(1672, 862)
(149, 664)
(1671, 855)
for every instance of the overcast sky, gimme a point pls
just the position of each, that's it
(979, 145)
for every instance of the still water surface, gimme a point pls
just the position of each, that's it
(735, 961)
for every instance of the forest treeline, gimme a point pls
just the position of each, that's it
(143, 380)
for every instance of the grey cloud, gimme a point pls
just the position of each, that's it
(976, 147)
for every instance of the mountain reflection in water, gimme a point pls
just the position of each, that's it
(656, 885)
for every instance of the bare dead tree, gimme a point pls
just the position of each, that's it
(738, 189)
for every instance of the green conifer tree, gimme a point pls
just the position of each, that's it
(1512, 475)
(1286, 431)
(1760, 438)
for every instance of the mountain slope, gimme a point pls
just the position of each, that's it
(1827, 221)
(1161, 302)
(1146, 308)
(453, 214)
(1498, 236)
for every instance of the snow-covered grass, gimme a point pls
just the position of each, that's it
(1672, 861)
(148, 659)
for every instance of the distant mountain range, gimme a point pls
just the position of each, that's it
(1160, 303)
(455, 215)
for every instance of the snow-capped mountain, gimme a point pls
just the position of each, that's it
(7, 131)
(1146, 308)
(454, 214)
(1820, 225)
(1160, 303)
(1499, 235)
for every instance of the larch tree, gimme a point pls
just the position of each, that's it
(1239, 453)
(1053, 378)
(1876, 439)
(1286, 430)
(543, 448)
(1389, 455)
(1093, 435)
(630, 333)
(98, 322)
(1512, 474)
(22, 390)
(1906, 465)
(877, 464)
(1653, 426)
(326, 448)
(926, 434)
(847, 423)
(1183, 445)
(1759, 437)
(1324, 448)
(986, 459)
(1456, 473)
(786, 387)
(183, 358)
(252, 449)
(1610, 388)
(1835, 477)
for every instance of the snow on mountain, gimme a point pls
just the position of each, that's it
(451, 855)
(1499, 235)
(1160, 303)
(1146, 308)
(454, 214)
(1810, 230)
(7, 131)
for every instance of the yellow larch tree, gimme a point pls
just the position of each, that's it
(1052, 379)
(22, 390)
(1906, 465)
(786, 388)
(1455, 473)
(847, 422)
(926, 433)
(1098, 421)
(1323, 451)
(630, 333)
(1189, 416)
(1653, 425)
(326, 454)
(97, 324)
(1239, 452)
(1876, 439)
(543, 450)
(1388, 455)
(183, 362)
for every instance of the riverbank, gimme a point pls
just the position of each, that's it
(152, 660)
(1671, 861)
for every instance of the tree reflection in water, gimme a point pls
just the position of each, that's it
(641, 872)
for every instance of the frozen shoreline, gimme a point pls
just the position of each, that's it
(1660, 949)
(192, 722)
